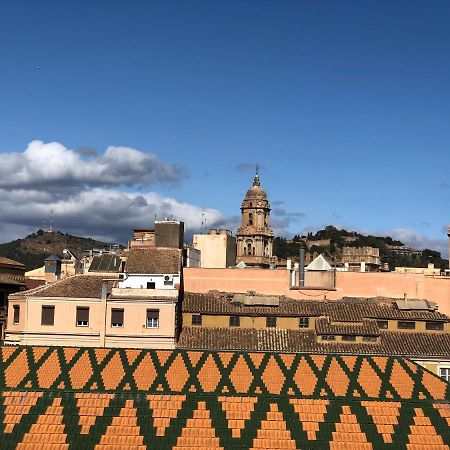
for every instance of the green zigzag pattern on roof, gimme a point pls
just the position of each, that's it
(180, 371)
(145, 423)
(72, 398)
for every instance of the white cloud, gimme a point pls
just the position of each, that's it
(108, 213)
(84, 189)
(49, 165)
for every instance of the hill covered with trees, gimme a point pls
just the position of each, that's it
(330, 242)
(33, 249)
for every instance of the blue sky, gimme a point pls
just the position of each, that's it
(344, 104)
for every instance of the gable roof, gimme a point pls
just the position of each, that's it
(10, 262)
(345, 310)
(5, 279)
(319, 263)
(153, 261)
(282, 340)
(217, 400)
(78, 286)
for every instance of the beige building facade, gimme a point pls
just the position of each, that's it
(217, 249)
(135, 309)
(429, 270)
(361, 259)
(255, 236)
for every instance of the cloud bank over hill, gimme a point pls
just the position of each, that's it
(102, 195)
(106, 195)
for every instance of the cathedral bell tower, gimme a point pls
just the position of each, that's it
(254, 236)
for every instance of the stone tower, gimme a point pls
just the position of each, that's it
(254, 236)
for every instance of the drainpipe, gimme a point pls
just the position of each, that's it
(301, 266)
(104, 304)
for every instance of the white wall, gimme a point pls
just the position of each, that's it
(140, 281)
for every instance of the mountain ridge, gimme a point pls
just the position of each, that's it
(34, 248)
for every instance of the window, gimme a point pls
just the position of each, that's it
(383, 324)
(235, 321)
(250, 219)
(271, 322)
(303, 322)
(152, 318)
(48, 315)
(369, 338)
(328, 337)
(348, 338)
(151, 285)
(444, 373)
(117, 318)
(196, 319)
(403, 325)
(82, 317)
(16, 316)
(435, 326)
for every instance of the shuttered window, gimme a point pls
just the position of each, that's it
(117, 318)
(48, 315)
(235, 321)
(303, 322)
(152, 318)
(82, 316)
(196, 319)
(328, 337)
(435, 326)
(406, 325)
(271, 322)
(16, 317)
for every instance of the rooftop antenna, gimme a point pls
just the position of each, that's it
(257, 170)
(51, 221)
(202, 228)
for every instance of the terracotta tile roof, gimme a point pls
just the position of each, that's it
(153, 260)
(60, 397)
(272, 339)
(33, 284)
(345, 310)
(10, 262)
(368, 327)
(78, 286)
(5, 279)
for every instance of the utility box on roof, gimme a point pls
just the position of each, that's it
(52, 268)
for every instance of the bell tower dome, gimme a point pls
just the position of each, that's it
(254, 236)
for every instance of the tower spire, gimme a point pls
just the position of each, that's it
(256, 179)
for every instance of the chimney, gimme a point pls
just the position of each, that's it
(52, 268)
(212, 231)
(104, 289)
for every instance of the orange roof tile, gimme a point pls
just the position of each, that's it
(139, 399)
